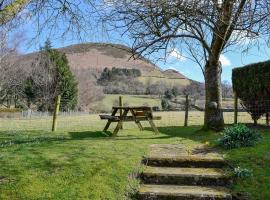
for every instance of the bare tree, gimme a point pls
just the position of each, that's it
(43, 76)
(195, 90)
(227, 90)
(12, 82)
(51, 16)
(12, 74)
(202, 29)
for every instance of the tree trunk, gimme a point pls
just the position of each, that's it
(213, 116)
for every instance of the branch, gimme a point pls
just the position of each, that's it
(11, 10)
(233, 24)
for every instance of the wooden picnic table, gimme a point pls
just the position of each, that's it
(138, 114)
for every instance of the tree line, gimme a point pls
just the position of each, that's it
(124, 81)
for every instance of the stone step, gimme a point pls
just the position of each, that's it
(185, 176)
(173, 192)
(193, 161)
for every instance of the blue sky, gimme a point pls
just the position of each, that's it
(231, 59)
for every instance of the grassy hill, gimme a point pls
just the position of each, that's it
(88, 60)
(94, 57)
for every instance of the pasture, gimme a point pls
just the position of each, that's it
(79, 162)
(93, 122)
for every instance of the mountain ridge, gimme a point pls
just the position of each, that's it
(97, 56)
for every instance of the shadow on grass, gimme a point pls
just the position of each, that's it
(192, 132)
(101, 135)
(87, 134)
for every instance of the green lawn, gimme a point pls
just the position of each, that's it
(88, 165)
(256, 159)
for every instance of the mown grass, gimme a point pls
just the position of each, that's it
(77, 165)
(93, 122)
(88, 165)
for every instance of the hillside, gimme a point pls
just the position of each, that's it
(95, 57)
(88, 60)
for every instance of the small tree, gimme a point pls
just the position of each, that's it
(195, 90)
(51, 76)
(29, 92)
(226, 89)
(65, 80)
(168, 94)
(176, 91)
(165, 104)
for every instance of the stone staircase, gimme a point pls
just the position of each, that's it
(175, 173)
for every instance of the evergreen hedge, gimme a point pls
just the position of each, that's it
(252, 85)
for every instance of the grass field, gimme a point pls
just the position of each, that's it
(93, 122)
(80, 162)
(110, 100)
(85, 164)
(166, 81)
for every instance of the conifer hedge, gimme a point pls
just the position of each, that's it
(252, 85)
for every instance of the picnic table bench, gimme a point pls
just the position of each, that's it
(138, 114)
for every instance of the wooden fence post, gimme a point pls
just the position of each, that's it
(235, 108)
(186, 111)
(55, 113)
(121, 111)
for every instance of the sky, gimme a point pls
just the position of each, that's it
(233, 58)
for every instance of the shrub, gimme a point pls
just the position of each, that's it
(251, 84)
(165, 104)
(237, 136)
(240, 172)
(168, 94)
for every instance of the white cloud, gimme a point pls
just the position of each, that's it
(174, 68)
(176, 54)
(224, 61)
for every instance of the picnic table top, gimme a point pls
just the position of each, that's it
(131, 107)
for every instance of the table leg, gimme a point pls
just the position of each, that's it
(136, 121)
(107, 125)
(118, 126)
(109, 121)
(152, 124)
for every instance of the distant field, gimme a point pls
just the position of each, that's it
(128, 100)
(109, 100)
(92, 121)
(167, 81)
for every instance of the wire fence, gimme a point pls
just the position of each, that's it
(29, 120)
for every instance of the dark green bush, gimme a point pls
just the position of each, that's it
(252, 82)
(237, 136)
(252, 85)
(165, 104)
